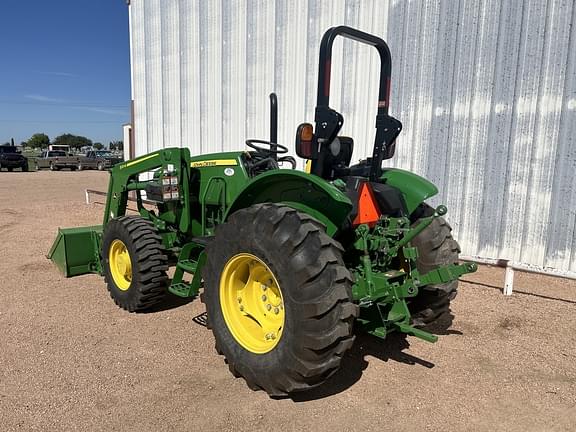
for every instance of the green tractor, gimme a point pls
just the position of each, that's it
(291, 264)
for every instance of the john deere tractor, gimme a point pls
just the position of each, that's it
(290, 264)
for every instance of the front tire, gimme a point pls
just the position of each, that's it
(134, 263)
(436, 247)
(315, 291)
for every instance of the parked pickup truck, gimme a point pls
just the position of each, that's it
(98, 159)
(11, 158)
(56, 160)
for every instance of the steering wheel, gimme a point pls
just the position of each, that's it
(280, 149)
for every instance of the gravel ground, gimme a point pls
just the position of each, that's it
(70, 359)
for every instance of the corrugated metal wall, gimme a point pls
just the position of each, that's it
(486, 91)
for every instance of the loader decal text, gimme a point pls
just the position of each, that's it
(215, 162)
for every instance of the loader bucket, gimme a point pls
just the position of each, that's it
(76, 251)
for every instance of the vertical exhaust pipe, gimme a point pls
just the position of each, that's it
(274, 124)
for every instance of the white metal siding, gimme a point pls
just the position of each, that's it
(486, 90)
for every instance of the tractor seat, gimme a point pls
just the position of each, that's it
(338, 156)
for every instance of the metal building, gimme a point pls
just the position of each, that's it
(486, 90)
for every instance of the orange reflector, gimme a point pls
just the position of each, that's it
(368, 212)
(307, 132)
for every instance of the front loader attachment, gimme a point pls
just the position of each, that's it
(76, 251)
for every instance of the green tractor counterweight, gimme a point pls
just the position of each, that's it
(289, 261)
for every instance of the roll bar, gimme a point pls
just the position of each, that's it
(329, 122)
(323, 97)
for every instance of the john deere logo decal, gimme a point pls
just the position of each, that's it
(212, 163)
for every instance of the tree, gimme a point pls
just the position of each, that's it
(116, 145)
(74, 141)
(38, 140)
(98, 146)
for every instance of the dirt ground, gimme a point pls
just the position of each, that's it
(71, 360)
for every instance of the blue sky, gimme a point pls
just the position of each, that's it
(64, 68)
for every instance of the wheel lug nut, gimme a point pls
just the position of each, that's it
(264, 287)
(241, 308)
(239, 299)
(268, 307)
(272, 336)
(264, 298)
(276, 310)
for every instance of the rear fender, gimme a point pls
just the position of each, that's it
(414, 188)
(304, 192)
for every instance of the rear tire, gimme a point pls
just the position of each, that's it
(436, 247)
(100, 166)
(25, 168)
(146, 285)
(316, 289)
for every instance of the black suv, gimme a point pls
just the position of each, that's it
(11, 158)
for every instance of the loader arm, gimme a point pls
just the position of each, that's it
(124, 178)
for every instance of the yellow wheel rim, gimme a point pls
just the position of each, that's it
(251, 302)
(120, 264)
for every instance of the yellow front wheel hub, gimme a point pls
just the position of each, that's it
(120, 264)
(251, 302)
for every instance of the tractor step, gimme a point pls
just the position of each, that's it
(181, 289)
(188, 266)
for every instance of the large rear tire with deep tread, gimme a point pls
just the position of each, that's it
(436, 247)
(149, 263)
(316, 288)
